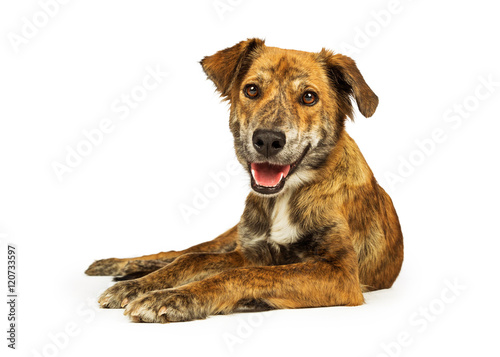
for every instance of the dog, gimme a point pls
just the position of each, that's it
(317, 229)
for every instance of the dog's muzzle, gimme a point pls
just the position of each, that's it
(268, 142)
(269, 177)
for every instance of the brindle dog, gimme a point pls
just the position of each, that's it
(317, 229)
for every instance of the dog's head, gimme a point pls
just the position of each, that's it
(287, 108)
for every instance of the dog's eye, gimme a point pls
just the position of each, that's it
(251, 91)
(309, 98)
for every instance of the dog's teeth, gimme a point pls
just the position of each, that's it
(253, 174)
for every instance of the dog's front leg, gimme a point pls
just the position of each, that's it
(185, 269)
(147, 263)
(326, 281)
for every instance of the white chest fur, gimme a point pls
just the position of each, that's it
(282, 230)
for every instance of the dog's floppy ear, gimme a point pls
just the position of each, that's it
(347, 78)
(225, 66)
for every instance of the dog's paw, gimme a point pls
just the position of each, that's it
(121, 294)
(107, 267)
(169, 305)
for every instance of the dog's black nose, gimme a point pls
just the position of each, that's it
(268, 142)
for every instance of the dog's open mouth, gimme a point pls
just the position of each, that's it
(269, 175)
(270, 178)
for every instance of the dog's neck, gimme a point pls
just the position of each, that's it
(273, 218)
(345, 164)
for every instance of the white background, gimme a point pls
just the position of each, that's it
(425, 60)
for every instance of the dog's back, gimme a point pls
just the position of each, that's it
(373, 223)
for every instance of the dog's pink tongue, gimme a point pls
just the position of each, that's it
(269, 175)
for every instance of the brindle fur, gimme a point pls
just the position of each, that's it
(329, 235)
